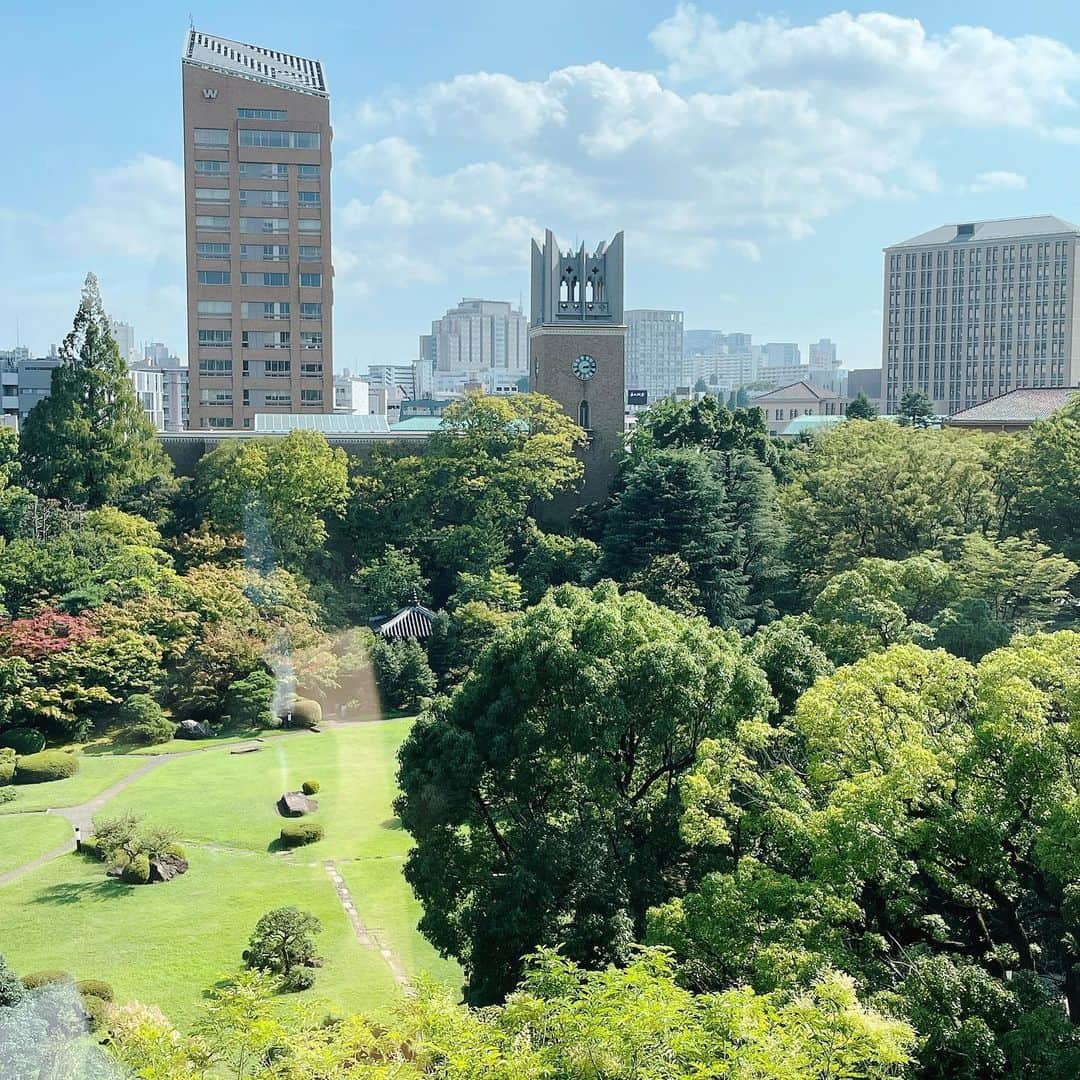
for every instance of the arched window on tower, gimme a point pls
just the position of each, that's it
(589, 291)
(573, 290)
(583, 415)
(598, 288)
(564, 291)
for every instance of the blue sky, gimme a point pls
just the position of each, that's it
(757, 157)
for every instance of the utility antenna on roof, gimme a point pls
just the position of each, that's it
(191, 20)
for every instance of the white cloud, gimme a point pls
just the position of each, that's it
(756, 130)
(998, 180)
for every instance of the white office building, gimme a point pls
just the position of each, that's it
(654, 352)
(485, 342)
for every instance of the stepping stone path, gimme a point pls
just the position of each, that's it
(363, 935)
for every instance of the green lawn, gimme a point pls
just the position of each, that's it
(164, 944)
(390, 911)
(94, 776)
(23, 839)
(230, 799)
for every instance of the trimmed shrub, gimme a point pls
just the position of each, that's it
(173, 849)
(150, 732)
(23, 740)
(303, 713)
(96, 1011)
(7, 795)
(299, 833)
(310, 787)
(143, 721)
(45, 978)
(137, 871)
(7, 764)
(98, 988)
(45, 766)
(300, 978)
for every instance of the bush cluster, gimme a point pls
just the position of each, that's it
(144, 721)
(7, 764)
(45, 978)
(304, 713)
(45, 766)
(98, 988)
(299, 833)
(23, 740)
(137, 870)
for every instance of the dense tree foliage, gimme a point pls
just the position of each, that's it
(543, 792)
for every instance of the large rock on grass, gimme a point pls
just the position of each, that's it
(165, 867)
(194, 729)
(296, 804)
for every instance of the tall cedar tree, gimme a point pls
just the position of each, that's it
(89, 442)
(674, 503)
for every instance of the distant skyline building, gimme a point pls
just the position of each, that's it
(399, 380)
(484, 341)
(124, 335)
(823, 355)
(779, 354)
(977, 309)
(654, 352)
(257, 192)
(174, 397)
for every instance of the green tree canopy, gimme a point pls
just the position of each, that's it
(543, 792)
(860, 408)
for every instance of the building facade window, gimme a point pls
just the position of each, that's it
(211, 168)
(215, 339)
(215, 307)
(264, 225)
(263, 170)
(218, 421)
(309, 200)
(277, 369)
(277, 398)
(264, 339)
(279, 140)
(261, 114)
(311, 397)
(267, 252)
(214, 277)
(215, 397)
(264, 309)
(210, 250)
(216, 367)
(212, 194)
(208, 221)
(311, 311)
(269, 280)
(211, 137)
(308, 172)
(311, 369)
(311, 281)
(310, 339)
(268, 197)
(309, 225)
(310, 253)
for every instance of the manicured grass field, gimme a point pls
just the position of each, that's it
(94, 776)
(23, 839)
(230, 799)
(164, 944)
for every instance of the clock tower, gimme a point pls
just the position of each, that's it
(577, 351)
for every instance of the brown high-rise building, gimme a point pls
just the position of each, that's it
(257, 192)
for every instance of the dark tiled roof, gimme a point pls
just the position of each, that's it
(1024, 405)
(414, 622)
(255, 62)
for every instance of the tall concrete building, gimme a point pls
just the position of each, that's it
(577, 346)
(779, 354)
(485, 341)
(257, 188)
(823, 355)
(124, 335)
(654, 353)
(976, 309)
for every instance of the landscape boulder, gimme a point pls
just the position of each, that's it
(296, 804)
(166, 866)
(194, 729)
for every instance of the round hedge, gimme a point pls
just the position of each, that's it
(299, 833)
(23, 740)
(7, 764)
(300, 978)
(96, 1011)
(137, 872)
(310, 787)
(46, 766)
(150, 732)
(45, 978)
(304, 713)
(98, 988)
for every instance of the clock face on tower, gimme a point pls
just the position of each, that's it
(584, 367)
